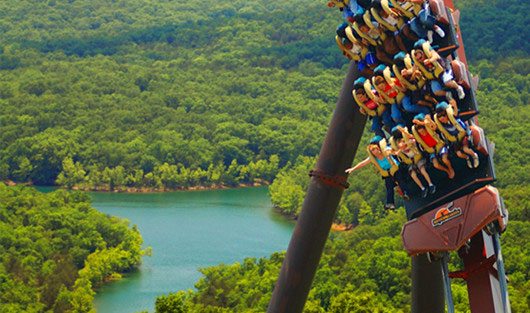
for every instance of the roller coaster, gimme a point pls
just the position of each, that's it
(409, 76)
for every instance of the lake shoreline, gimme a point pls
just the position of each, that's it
(188, 231)
(147, 190)
(107, 189)
(334, 227)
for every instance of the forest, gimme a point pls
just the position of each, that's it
(125, 96)
(163, 95)
(55, 249)
(154, 96)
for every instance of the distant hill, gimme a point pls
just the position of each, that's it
(134, 94)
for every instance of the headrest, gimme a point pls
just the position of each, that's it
(396, 133)
(442, 106)
(419, 44)
(376, 140)
(364, 3)
(400, 56)
(376, 4)
(341, 30)
(379, 69)
(359, 82)
(420, 117)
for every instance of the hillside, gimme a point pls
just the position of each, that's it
(164, 95)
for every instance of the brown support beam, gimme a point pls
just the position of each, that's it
(483, 285)
(427, 285)
(320, 204)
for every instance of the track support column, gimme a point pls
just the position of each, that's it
(320, 204)
(427, 285)
(487, 291)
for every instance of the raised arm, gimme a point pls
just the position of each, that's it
(435, 57)
(429, 122)
(359, 165)
(405, 133)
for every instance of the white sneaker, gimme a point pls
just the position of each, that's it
(468, 161)
(461, 93)
(439, 31)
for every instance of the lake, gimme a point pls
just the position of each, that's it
(189, 230)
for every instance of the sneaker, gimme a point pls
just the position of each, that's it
(476, 162)
(468, 161)
(439, 31)
(424, 192)
(461, 93)
(429, 36)
(432, 189)
(390, 207)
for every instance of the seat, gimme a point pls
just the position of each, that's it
(408, 9)
(439, 10)
(347, 52)
(408, 84)
(437, 67)
(368, 90)
(461, 74)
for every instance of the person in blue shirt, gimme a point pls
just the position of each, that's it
(380, 155)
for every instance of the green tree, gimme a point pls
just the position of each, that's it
(72, 174)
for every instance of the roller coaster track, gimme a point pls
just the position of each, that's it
(431, 292)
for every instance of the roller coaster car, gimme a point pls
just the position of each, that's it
(465, 181)
(449, 227)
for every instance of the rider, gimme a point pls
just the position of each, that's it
(372, 106)
(424, 131)
(404, 146)
(379, 154)
(434, 68)
(456, 132)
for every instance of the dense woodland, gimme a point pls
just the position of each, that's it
(125, 94)
(116, 95)
(55, 249)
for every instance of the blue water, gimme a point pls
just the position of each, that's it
(188, 230)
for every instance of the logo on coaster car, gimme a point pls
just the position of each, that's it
(446, 214)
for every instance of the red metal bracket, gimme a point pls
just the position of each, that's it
(482, 266)
(335, 181)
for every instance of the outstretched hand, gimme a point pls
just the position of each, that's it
(348, 171)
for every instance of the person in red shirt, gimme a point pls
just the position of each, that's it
(424, 133)
(392, 93)
(378, 120)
